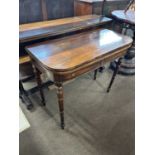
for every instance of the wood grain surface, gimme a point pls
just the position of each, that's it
(69, 57)
(76, 50)
(38, 30)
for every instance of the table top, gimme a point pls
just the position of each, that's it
(128, 17)
(74, 51)
(39, 30)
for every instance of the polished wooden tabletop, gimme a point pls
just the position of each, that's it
(128, 16)
(39, 30)
(73, 51)
(56, 22)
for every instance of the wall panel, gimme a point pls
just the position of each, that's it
(31, 10)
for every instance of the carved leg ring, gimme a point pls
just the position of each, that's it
(39, 82)
(114, 74)
(61, 103)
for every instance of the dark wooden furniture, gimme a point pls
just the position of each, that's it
(125, 19)
(41, 31)
(87, 7)
(52, 28)
(25, 72)
(83, 7)
(131, 6)
(66, 58)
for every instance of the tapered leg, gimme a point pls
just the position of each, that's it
(114, 74)
(61, 103)
(39, 82)
(95, 74)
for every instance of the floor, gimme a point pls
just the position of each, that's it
(97, 123)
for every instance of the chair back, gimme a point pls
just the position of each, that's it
(131, 6)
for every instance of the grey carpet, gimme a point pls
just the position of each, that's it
(97, 123)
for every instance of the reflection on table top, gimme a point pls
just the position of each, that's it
(73, 51)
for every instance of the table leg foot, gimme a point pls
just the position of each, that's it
(62, 120)
(61, 103)
(114, 74)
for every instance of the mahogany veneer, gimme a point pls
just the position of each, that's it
(66, 58)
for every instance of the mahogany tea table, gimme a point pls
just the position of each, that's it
(69, 57)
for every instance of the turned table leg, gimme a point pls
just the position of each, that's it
(118, 63)
(61, 103)
(95, 74)
(39, 82)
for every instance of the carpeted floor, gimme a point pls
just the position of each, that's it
(97, 123)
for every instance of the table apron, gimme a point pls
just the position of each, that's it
(62, 76)
(65, 76)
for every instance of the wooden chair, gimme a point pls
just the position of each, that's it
(131, 6)
(28, 72)
(25, 73)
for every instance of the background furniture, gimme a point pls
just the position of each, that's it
(125, 19)
(69, 57)
(86, 7)
(41, 10)
(52, 28)
(25, 73)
